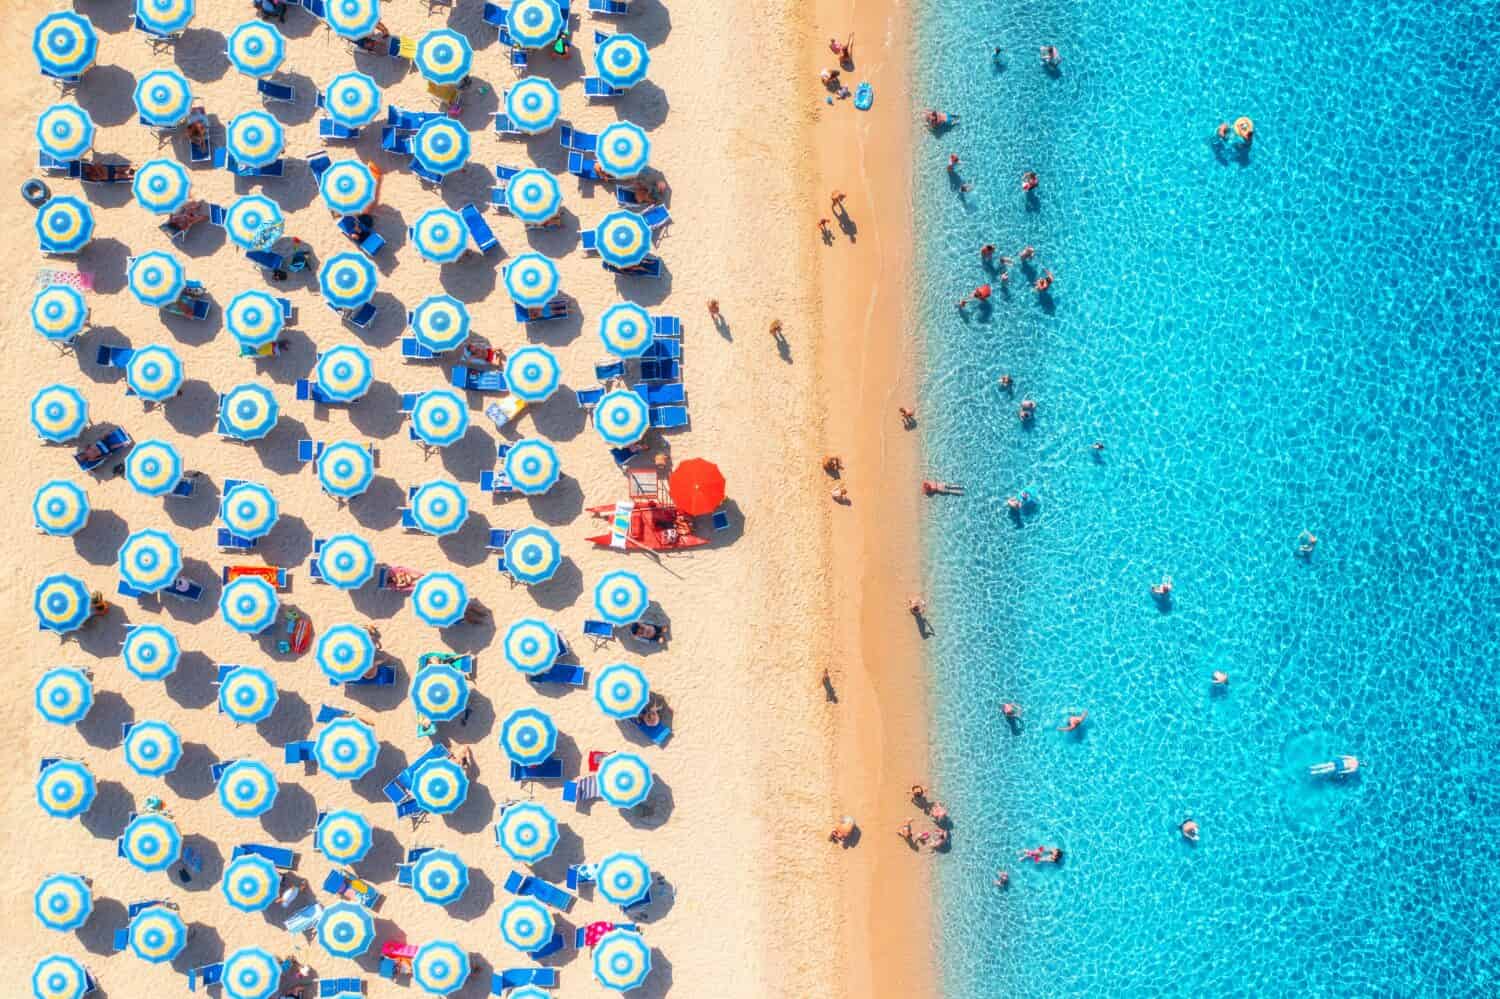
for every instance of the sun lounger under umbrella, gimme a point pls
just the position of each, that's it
(621, 417)
(623, 150)
(58, 976)
(61, 603)
(440, 417)
(161, 186)
(346, 749)
(351, 99)
(532, 105)
(64, 695)
(532, 466)
(441, 967)
(64, 225)
(152, 748)
(250, 973)
(532, 280)
(151, 843)
(440, 877)
(439, 507)
(623, 239)
(624, 779)
(156, 278)
(163, 98)
(626, 329)
(621, 60)
(440, 786)
(164, 18)
(526, 831)
(344, 373)
(352, 19)
(528, 736)
(526, 925)
(150, 651)
(153, 467)
(347, 187)
(531, 645)
(254, 138)
(256, 48)
(532, 555)
(250, 220)
(345, 652)
(345, 469)
(440, 599)
(65, 45)
(346, 561)
(439, 691)
(254, 318)
(60, 508)
(533, 196)
(149, 560)
(345, 929)
(249, 604)
(248, 695)
(620, 597)
(65, 788)
(440, 322)
(439, 236)
(63, 902)
(59, 313)
(247, 789)
(154, 373)
(443, 56)
(157, 934)
(441, 146)
(250, 883)
(347, 280)
(59, 413)
(534, 24)
(343, 836)
(622, 961)
(249, 510)
(248, 412)
(532, 373)
(623, 878)
(65, 131)
(621, 691)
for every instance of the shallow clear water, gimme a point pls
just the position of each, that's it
(1303, 338)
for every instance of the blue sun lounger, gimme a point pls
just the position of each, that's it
(656, 216)
(664, 348)
(359, 318)
(396, 142)
(581, 874)
(299, 752)
(495, 482)
(609, 8)
(333, 131)
(498, 537)
(385, 676)
(660, 369)
(558, 308)
(588, 242)
(669, 417)
(228, 541)
(318, 164)
(543, 891)
(279, 93)
(581, 790)
(514, 978)
(340, 988)
(568, 674)
(424, 174)
(111, 443)
(650, 267)
(209, 974)
(595, 89)
(305, 920)
(276, 168)
(549, 769)
(479, 230)
(670, 394)
(401, 120)
(505, 128)
(370, 245)
(472, 380)
(669, 327)
(327, 713)
(588, 398)
(341, 879)
(583, 166)
(549, 948)
(599, 632)
(412, 350)
(280, 856)
(114, 357)
(309, 450)
(577, 141)
(156, 38)
(658, 733)
(72, 169)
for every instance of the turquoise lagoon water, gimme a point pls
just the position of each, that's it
(1304, 338)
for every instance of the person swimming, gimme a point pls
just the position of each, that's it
(1074, 722)
(1029, 181)
(1189, 830)
(938, 119)
(934, 488)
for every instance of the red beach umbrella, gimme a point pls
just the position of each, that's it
(697, 487)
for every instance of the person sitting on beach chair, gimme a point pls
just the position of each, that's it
(268, 9)
(377, 41)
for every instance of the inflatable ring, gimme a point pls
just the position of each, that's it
(35, 193)
(1244, 128)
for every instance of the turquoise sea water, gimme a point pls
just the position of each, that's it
(1303, 338)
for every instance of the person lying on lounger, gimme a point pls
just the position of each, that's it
(648, 632)
(270, 8)
(377, 41)
(197, 125)
(399, 578)
(188, 215)
(107, 173)
(651, 714)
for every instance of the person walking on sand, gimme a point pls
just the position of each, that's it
(713, 309)
(840, 494)
(844, 50)
(836, 202)
(776, 333)
(908, 416)
(833, 464)
(1073, 723)
(823, 227)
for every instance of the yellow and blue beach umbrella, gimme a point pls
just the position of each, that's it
(440, 599)
(157, 934)
(623, 878)
(58, 976)
(163, 98)
(152, 748)
(249, 510)
(346, 561)
(154, 373)
(527, 831)
(64, 695)
(59, 312)
(251, 220)
(153, 467)
(344, 837)
(61, 603)
(623, 239)
(63, 902)
(439, 235)
(345, 652)
(623, 150)
(526, 924)
(352, 99)
(254, 318)
(440, 786)
(164, 17)
(532, 373)
(531, 280)
(624, 779)
(64, 225)
(64, 44)
(533, 24)
(439, 691)
(65, 789)
(60, 508)
(443, 56)
(626, 329)
(621, 691)
(533, 196)
(532, 105)
(532, 555)
(622, 60)
(346, 749)
(440, 507)
(440, 322)
(532, 466)
(528, 736)
(346, 929)
(344, 373)
(156, 278)
(250, 973)
(65, 131)
(440, 877)
(249, 604)
(348, 187)
(440, 967)
(345, 469)
(150, 561)
(531, 645)
(151, 843)
(248, 412)
(352, 18)
(250, 883)
(150, 651)
(347, 280)
(256, 49)
(247, 695)
(620, 597)
(621, 960)
(59, 413)
(247, 789)
(254, 138)
(441, 145)
(440, 417)
(161, 186)
(621, 417)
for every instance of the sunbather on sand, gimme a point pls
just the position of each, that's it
(648, 632)
(400, 578)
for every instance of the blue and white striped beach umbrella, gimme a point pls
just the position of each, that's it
(164, 17)
(440, 877)
(346, 749)
(249, 604)
(352, 99)
(64, 695)
(346, 561)
(156, 278)
(63, 902)
(626, 329)
(440, 322)
(61, 603)
(440, 417)
(345, 652)
(624, 779)
(254, 138)
(621, 417)
(532, 373)
(622, 60)
(527, 831)
(440, 786)
(440, 507)
(353, 18)
(346, 929)
(344, 373)
(157, 934)
(533, 196)
(65, 131)
(528, 736)
(441, 145)
(250, 219)
(622, 961)
(251, 973)
(348, 187)
(623, 878)
(439, 235)
(620, 597)
(59, 313)
(531, 645)
(153, 467)
(65, 790)
(154, 373)
(152, 748)
(150, 560)
(60, 508)
(247, 789)
(250, 883)
(532, 555)
(256, 48)
(532, 105)
(254, 318)
(151, 843)
(248, 695)
(344, 837)
(526, 924)
(58, 976)
(345, 469)
(249, 510)
(59, 413)
(443, 56)
(621, 691)
(623, 150)
(440, 691)
(248, 412)
(64, 225)
(532, 466)
(623, 239)
(533, 24)
(531, 280)
(163, 98)
(150, 652)
(440, 967)
(64, 44)
(161, 186)
(347, 280)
